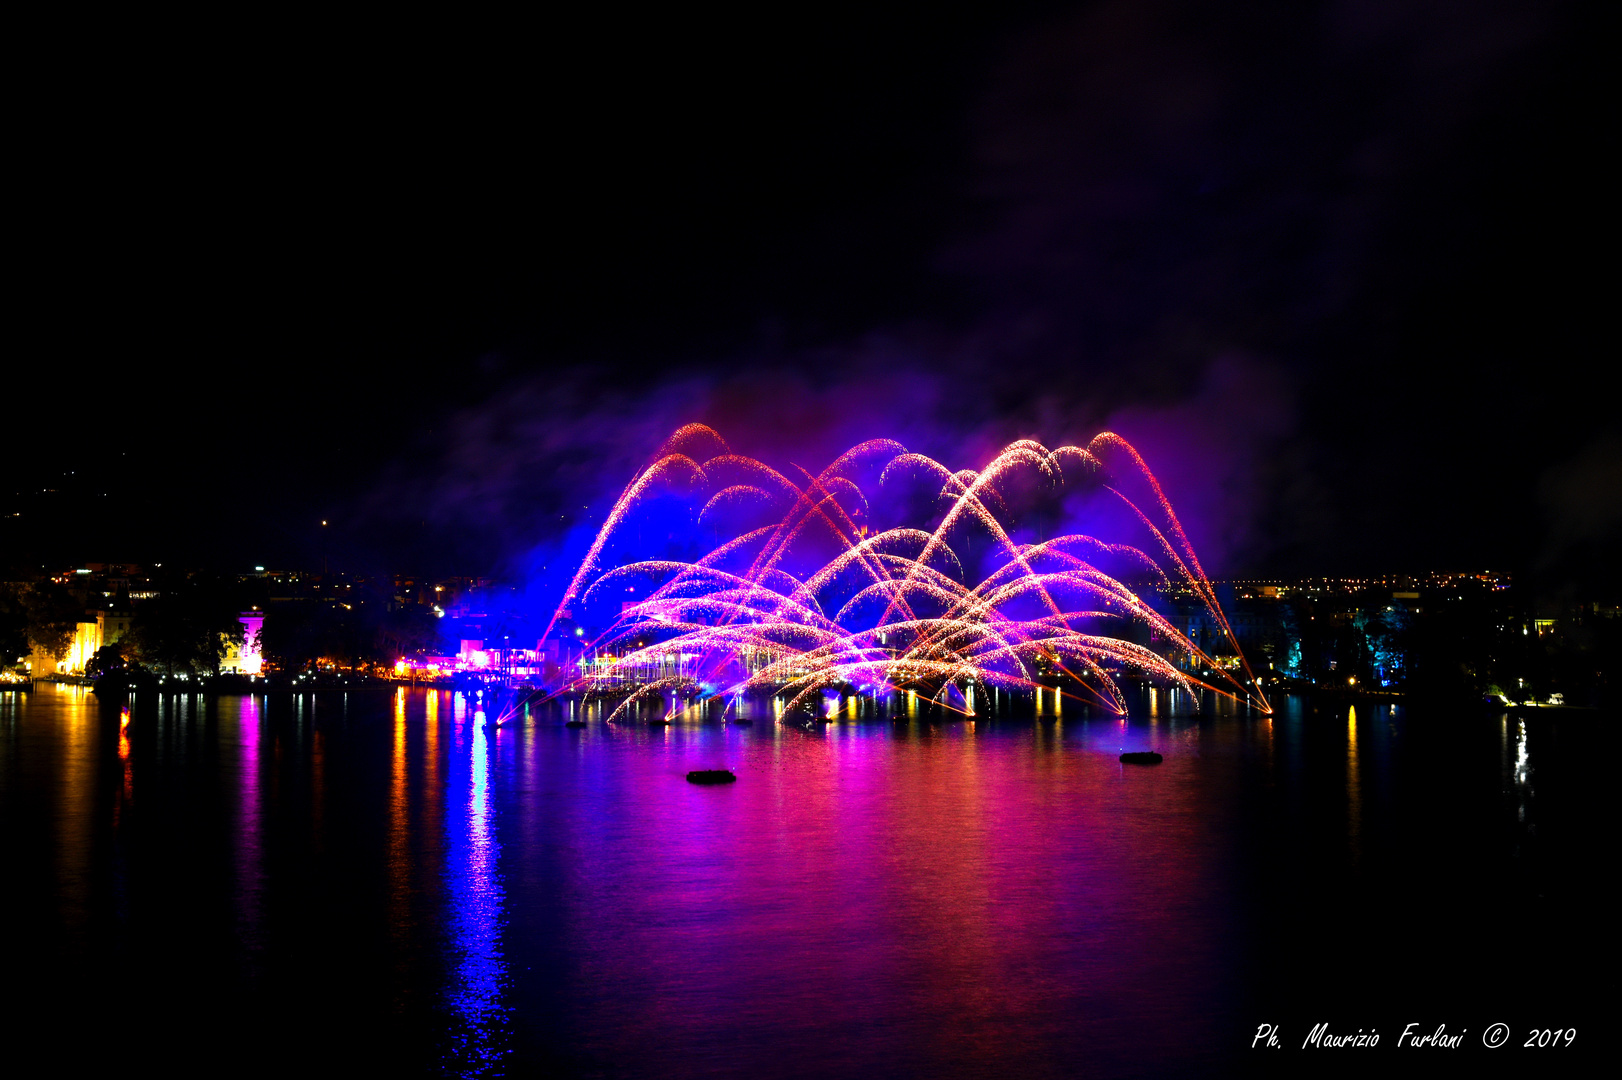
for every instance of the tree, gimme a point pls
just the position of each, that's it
(109, 660)
(408, 630)
(297, 635)
(188, 627)
(53, 616)
(13, 624)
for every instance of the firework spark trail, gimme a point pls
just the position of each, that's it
(1197, 578)
(765, 629)
(971, 486)
(844, 529)
(621, 508)
(968, 501)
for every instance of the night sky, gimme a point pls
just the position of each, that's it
(1339, 270)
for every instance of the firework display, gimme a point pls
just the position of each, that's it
(889, 574)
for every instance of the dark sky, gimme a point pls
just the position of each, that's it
(1339, 269)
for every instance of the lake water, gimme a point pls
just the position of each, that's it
(377, 881)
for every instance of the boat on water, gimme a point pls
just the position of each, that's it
(1141, 757)
(711, 776)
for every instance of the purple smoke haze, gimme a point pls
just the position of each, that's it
(1184, 222)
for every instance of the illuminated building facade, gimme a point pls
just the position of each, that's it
(245, 659)
(106, 628)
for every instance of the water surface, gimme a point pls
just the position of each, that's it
(378, 880)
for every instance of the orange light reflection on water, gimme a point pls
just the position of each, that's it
(1354, 787)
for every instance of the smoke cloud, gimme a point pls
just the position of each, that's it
(1171, 220)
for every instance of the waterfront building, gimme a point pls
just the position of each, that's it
(92, 632)
(245, 659)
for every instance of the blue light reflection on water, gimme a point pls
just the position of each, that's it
(475, 890)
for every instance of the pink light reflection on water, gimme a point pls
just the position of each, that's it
(962, 904)
(250, 865)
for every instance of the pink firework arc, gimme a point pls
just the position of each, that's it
(799, 593)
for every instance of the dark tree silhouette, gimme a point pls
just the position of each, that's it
(188, 627)
(53, 614)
